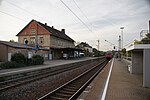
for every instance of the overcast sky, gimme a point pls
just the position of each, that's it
(97, 19)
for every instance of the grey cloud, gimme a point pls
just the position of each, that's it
(1, 2)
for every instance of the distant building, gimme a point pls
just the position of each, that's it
(41, 35)
(87, 49)
(9, 48)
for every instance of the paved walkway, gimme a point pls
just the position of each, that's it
(125, 86)
(47, 64)
(121, 86)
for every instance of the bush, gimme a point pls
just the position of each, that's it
(37, 60)
(11, 64)
(29, 62)
(18, 58)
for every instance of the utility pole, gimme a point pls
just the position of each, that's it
(98, 45)
(98, 48)
(119, 48)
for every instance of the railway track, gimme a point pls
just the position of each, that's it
(33, 76)
(72, 89)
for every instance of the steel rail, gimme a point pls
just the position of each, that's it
(38, 76)
(80, 89)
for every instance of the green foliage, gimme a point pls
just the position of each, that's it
(129, 53)
(18, 58)
(137, 42)
(148, 35)
(11, 64)
(124, 52)
(29, 62)
(97, 53)
(37, 60)
(145, 40)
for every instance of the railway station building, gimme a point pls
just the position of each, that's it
(41, 35)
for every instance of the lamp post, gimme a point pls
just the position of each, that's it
(119, 48)
(122, 35)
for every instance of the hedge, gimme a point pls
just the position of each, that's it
(19, 58)
(37, 60)
(11, 64)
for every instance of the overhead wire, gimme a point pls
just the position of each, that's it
(13, 16)
(86, 16)
(26, 10)
(82, 12)
(42, 18)
(75, 15)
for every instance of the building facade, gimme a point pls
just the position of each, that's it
(37, 33)
(9, 48)
(87, 50)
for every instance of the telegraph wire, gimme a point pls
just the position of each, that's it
(81, 11)
(87, 17)
(13, 16)
(25, 10)
(75, 15)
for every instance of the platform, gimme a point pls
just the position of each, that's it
(121, 85)
(47, 64)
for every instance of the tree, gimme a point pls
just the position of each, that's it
(124, 52)
(146, 40)
(138, 42)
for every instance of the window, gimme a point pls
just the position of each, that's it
(25, 33)
(41, 40)
(32, 40)
(32, 31)
(24, 40)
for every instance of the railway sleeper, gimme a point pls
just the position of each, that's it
(74, 88)
(56, 98)
(77, 83)
(60, 96)
(67, 92)
(63, 94)
(71, 90)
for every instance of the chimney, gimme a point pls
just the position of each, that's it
(63, 31)
(52, 26)
(46, 24)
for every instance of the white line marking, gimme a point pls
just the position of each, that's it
(86, 91)
(106, 85)
(89, 86)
